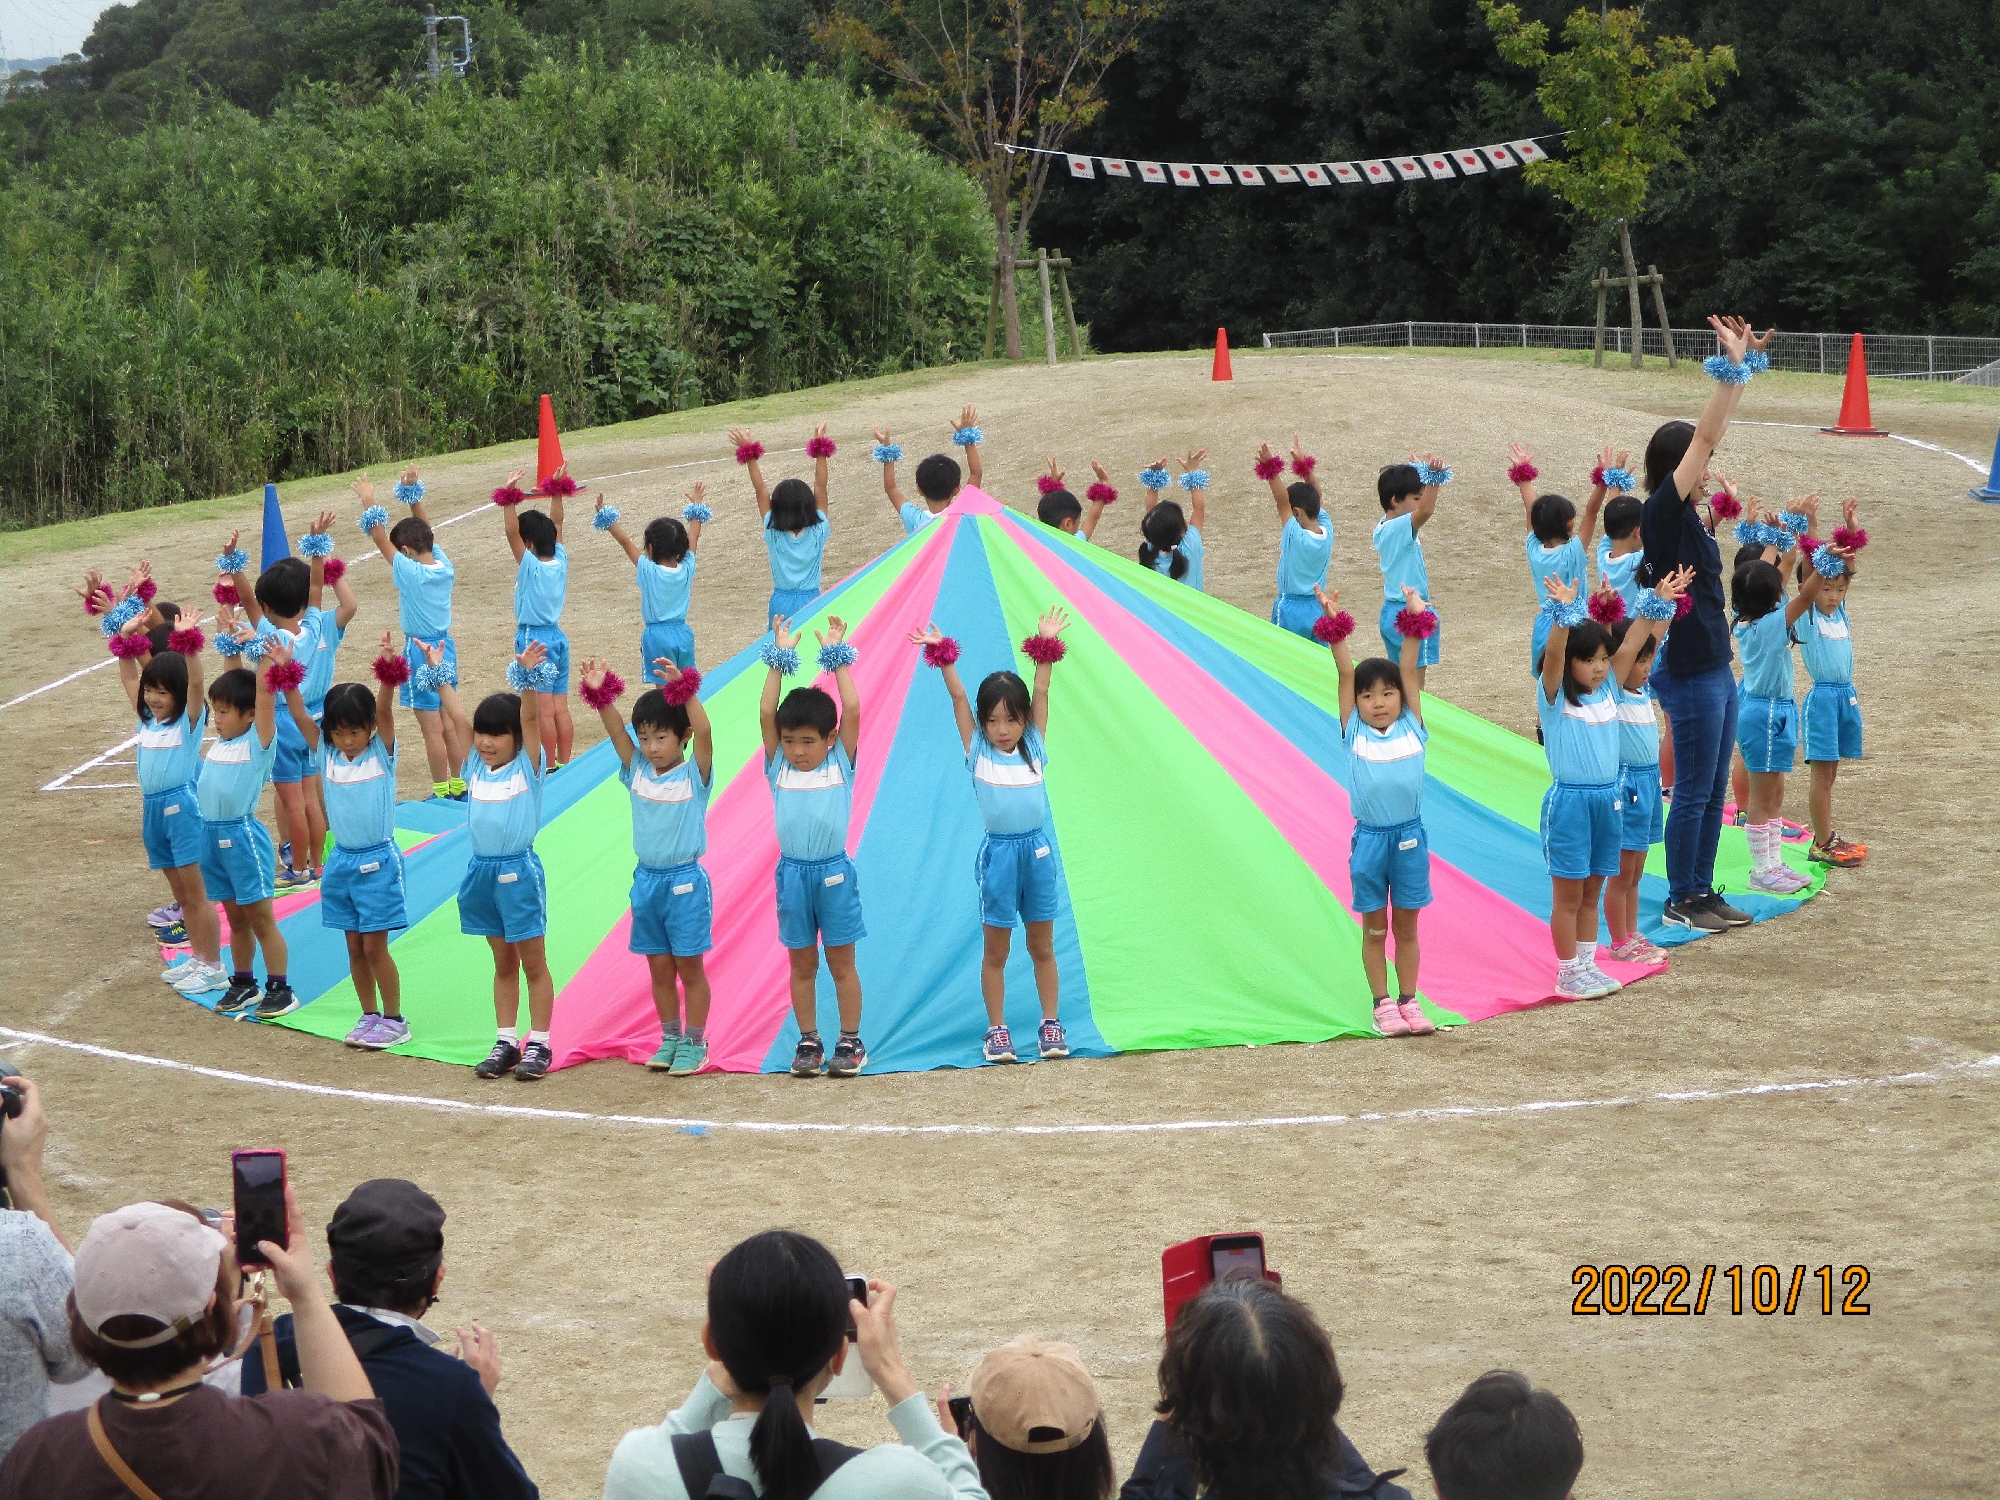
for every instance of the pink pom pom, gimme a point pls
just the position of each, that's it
(129, 645)
(1808, 545)
(1048, 484)
(188, 642)
(1304, 465)
(1525, 473)
(284, 676)
(392, 671)
(1682, 605)
(1270, 468)
(1330, 630)
(332, 570)
(97, 601)
(1852, 538)
(819, 447)
(1597, 476)
(940, 653)
(509, 494)
(225, 593)
(1045, 650)
(1100, 493)
(146, 590)
(1421, 623)
(558, 486)
(606, 692)
(1725, 506)
(682, 687)
(749, 453)
(1607, 609)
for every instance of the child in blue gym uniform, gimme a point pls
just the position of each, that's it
(1389, 856)
(1305, 538)
(1018, 868)
(1620, 551)
(541, 585)
(669, 776)
(1831, 716)
(1171, 537)
(795, 527)
(939, 478)
(423, 576)
(361, 894)
(664, 571)
(1408, 494)
(504, 897)
(1555, 550)
(809, 759)
(1641, 823)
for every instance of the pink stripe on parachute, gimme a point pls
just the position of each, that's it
(1509, 964)
(606, 1010)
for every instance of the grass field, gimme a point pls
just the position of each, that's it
(1434, 1244)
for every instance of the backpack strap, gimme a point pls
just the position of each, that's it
(365, 1341)
(701, 1469)
(831, 1456)
(114, 1460)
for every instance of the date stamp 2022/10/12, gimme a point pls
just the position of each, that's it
(1664, 1291)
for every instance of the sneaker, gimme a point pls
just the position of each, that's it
(163, 916)
(1838, 852)
(392, 1031)
(535, 1060)
(1636, 950)
(689, 1057)
(197, 977)
(663, 1060)
(1729, 916)
(177, 967)
(1414, 1018)
(1601, 983)
(999, 1045)
(172, 937)
(1389, 1018)
(363, 1030)
(849, 1057)
(501, 1059)
(810, 1060)
(288, 879)
(1052, 1040)
(1779, 880)
(285, 854)
(238, 1000)
(1692, 914)
(1577, 983)
(277, 1001)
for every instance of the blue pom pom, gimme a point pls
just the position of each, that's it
(1194, 479)
(965, 437)
(227, 645)
(1826, 564)
(781, 659)
(1652, 607)
(1430, 476)
(121, 614)
(428, 679)
(375, 515)
(1620, 480)
(1567, 615)
(1796, 522)
(888, 453)
(519, 678)
(1756, 361)
(411, 493)
(839, 654)
(606, 518)
(697, 512)
(232, 562)
(1720, 367)
(1155, 479)
(316, 544)
(254, 648)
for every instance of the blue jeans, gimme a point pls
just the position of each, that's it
(1702, 709)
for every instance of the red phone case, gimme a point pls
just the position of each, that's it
(1186, 1268)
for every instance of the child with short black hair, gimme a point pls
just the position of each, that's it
(1062, 510)
(1305, 538)
(541, 587)
(669, 774)
(939, 478)
(1504, 1440)
(809, 747)
(1408, 494)
(665, 573)
(795, 527)
(1018, 868)
(1831, 715)
(1554, 548)
(1171, 536)
(1641, 824)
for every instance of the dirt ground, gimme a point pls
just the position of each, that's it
(1434, 1246)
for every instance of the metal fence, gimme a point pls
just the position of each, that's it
(1891, 356)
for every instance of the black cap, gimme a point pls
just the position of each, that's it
(387, 1222)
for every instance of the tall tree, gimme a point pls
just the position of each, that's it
(1623, 103)
(986, 79)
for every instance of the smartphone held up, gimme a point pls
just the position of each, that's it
(259, 1183)
(852, 1381)
(1192, 1264)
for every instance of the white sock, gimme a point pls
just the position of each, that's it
(538, 1036)
(510, 1034)
(1758, 839)
(1586, 955)
(1773, 842)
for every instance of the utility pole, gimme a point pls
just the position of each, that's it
(431, 41)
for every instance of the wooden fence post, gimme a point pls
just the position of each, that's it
(1660, 302)
(1048, 308)
(1069, 307)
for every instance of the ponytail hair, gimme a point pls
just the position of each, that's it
(777, 1310)
(1163, 529)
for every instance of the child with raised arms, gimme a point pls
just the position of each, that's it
(1582, 828)
(938, 477)
(809, 746)
(1305, 538)
(1018, 868)
(423, 576)
(665, 572)
(1057, 507)
(1641, 824)
(1554, 550)
(669, 775)
(1408, 494)
(1620, 550)
(1389, 855)
(795, 528)
(504, 896)
(361, 895)
(541, 586)
(1171, 536)
(1831, 715)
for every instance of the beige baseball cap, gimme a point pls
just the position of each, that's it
(149, 1261)
(1034, 1397)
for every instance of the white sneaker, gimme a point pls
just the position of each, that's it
(177, 968)
(197, 978)
(1601, 983)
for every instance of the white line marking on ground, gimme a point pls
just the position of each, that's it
(1971, 463)
(62, 782)
(1985, 1066)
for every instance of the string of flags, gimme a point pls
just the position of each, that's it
(1437, 166)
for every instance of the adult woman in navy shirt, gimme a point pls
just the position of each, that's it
(1693, 680)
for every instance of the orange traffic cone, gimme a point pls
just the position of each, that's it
(549, 454)
(1221, 370)
(1854, 418)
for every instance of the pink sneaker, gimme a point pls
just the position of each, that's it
(1636, 950)
(1389, 1018)
(1414, 1019)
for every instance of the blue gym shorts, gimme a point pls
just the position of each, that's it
(1390, 866)
(672, 909)
(425, 700)
(1392, 639)
(556, 644)
(1641, 819)
(1017, 878)
(819, 902)
(172, 828)
(239, 864)
(1832, 718)
(1296, 613)
(1581, 830)
(1767, 732)
(294, 762)
(669, 638)
(504, 896)
(788, 602)
(362, 889)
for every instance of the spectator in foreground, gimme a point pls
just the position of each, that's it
(1504, 1440)
(1248, 1393)
(1036, 1429)
(776, 1336)
(387, 1244)
(153, 1306)
(34, 1276)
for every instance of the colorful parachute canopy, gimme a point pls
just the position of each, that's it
(1195, 779)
